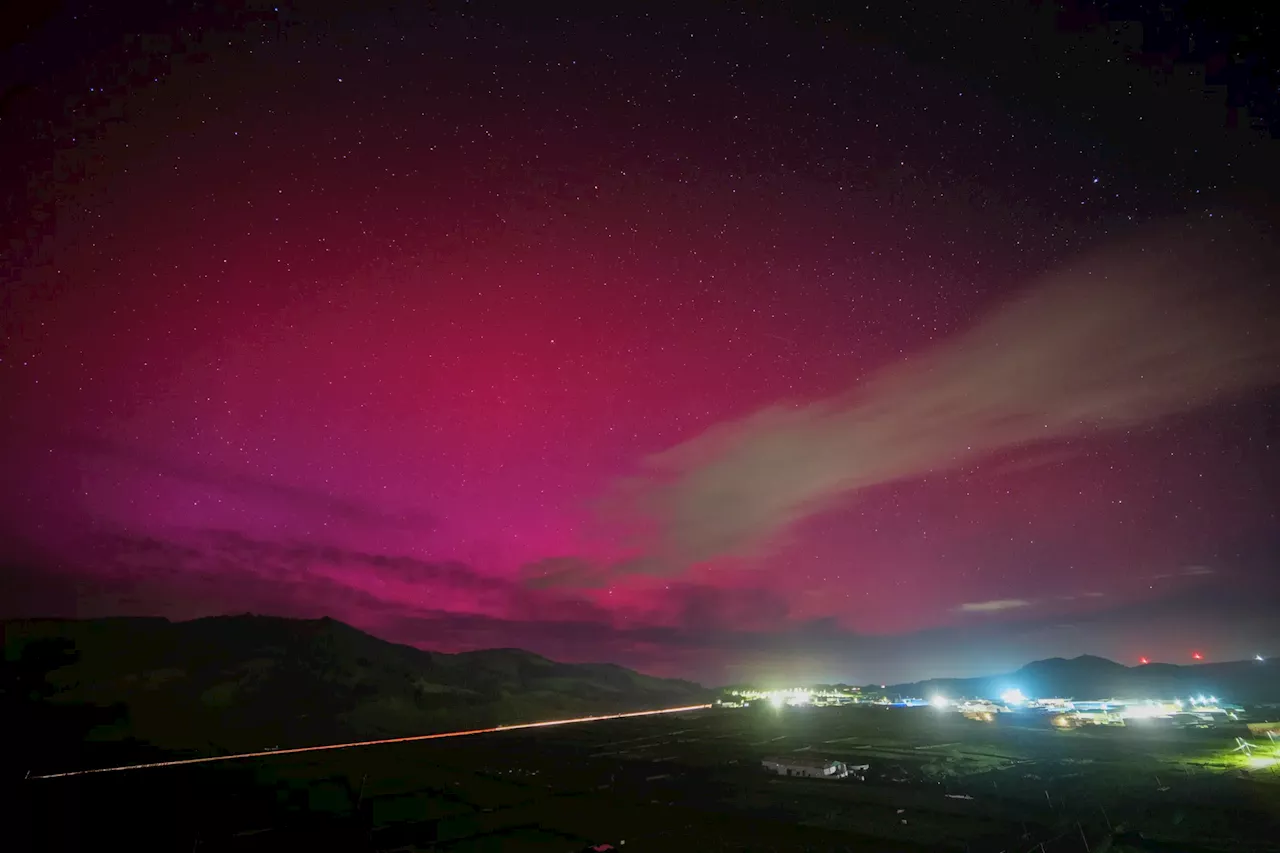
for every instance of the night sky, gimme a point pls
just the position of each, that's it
(739, 343)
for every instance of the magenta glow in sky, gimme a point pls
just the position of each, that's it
(722, 349)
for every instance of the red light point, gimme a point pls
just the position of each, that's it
(1143, 661)
(1197, 656)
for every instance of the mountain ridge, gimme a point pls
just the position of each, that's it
(1093, 677)
(248, 682)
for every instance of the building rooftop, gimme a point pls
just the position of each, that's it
(801, 761)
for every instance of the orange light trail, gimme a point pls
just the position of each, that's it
(272, 752)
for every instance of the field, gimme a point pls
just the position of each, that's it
(694, 782)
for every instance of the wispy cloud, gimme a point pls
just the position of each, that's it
(243, 485)
(1165, 323)
(1184, 572)
(1078, 596)
(993, 606)
(221, 571)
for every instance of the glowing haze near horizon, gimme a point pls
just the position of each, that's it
(735, 349)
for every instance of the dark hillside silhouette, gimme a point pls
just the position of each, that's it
(236, 683)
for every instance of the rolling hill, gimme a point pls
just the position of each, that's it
(252, 682)
(1089, 677)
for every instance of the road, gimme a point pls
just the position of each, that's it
(293, 751)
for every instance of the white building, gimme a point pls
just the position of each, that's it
(814, 768)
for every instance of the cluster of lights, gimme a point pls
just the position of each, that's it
(1148, 710)
(1012, 697)
(1120, 709)
(778, 698)
(794, 696)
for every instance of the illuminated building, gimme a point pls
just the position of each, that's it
(814, 768)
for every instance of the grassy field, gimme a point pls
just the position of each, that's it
(694, 782)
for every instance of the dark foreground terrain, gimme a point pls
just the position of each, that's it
(691, 782)
(111, 689)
